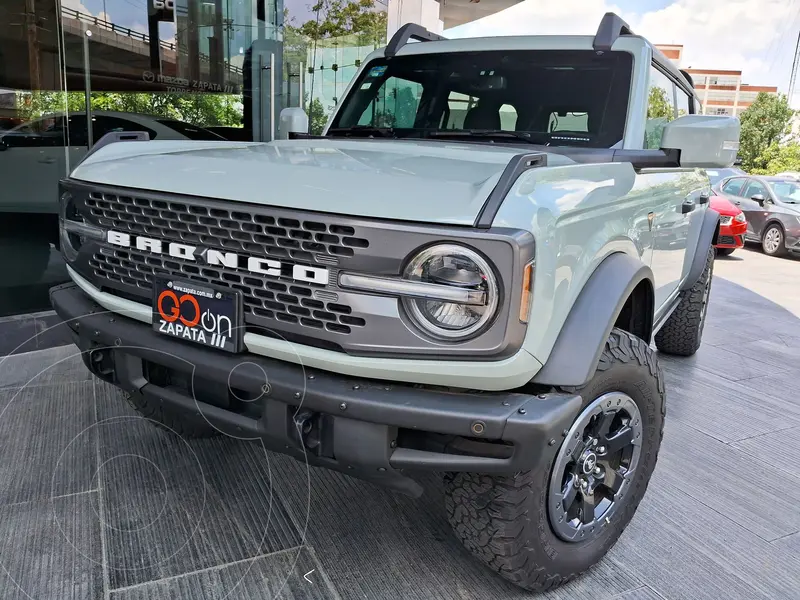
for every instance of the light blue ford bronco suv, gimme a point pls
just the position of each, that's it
(463, 274)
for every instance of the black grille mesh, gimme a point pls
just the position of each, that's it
(247, 231)
(263, 298)
(244, 230)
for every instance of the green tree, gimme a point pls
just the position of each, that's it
(658, 105)
(201, 109)
(659, 112)
(317, 117)
(780, 158)
(338, 18)
(766, 122)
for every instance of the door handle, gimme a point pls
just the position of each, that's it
(687, 206)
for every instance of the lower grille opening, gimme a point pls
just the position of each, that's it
(453, 444)
(266, 301)
(203, 390)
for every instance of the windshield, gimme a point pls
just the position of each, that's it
(787, 191)
(564, 98)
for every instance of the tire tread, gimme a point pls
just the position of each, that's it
(490, 514)
(682, 334)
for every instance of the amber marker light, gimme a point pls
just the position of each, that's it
(527, 293)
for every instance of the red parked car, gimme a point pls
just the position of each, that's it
(732, 225)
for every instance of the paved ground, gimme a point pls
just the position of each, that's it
(96, 503)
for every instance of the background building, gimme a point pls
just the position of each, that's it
(721, 91)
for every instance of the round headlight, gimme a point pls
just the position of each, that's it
(740, 218)
(459, 268)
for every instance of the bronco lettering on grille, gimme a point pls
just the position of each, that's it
(209, 256)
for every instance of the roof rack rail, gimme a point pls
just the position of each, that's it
(611, 27)
(409, 31)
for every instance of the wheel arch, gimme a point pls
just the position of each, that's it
(616, 291)
(773, 221)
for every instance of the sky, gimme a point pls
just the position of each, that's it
(757, 37)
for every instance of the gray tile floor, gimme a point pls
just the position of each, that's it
(97, 503)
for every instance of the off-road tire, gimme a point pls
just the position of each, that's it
(186, 427)
(682, 334)
(781, 249)
(503, 519)
(725, 251)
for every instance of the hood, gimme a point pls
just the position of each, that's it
(724, 206)
(409, 180)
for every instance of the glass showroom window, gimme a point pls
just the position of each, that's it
(32, 155)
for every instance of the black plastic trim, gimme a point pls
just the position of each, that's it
(667, 158)
(409, 31)
(117, 136)
(515, 167)
(611, 28)
(708, 232)
(577, 350)
(362, 415)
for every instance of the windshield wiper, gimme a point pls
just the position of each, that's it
(361, 130)
(490, 133)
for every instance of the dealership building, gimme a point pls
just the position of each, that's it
(721, 90)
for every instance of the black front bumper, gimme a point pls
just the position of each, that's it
(370, 429)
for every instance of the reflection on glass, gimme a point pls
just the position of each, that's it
(324, 45)
(191, 70)
(32, 155)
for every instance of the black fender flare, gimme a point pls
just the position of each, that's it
(576, 352)
(709, 230)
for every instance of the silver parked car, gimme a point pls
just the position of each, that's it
(772, 207)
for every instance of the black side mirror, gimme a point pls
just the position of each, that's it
(759, 198)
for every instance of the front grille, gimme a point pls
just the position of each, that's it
(726, 239)
(241, 230)
(297, 303)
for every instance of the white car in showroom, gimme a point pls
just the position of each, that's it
(36, 154)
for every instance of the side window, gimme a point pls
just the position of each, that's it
(40, 133)
(395, 104)
(734, 186)
(756, 187)
(660, 107)
(76, 128)
(682, 101)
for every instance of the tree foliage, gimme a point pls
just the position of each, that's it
(338, 18)
(659, 112)
(779, 158)
(201, 109)
(765, 124)
(317, 116)
(658, 105)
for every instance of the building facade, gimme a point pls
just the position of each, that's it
(721, 91)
